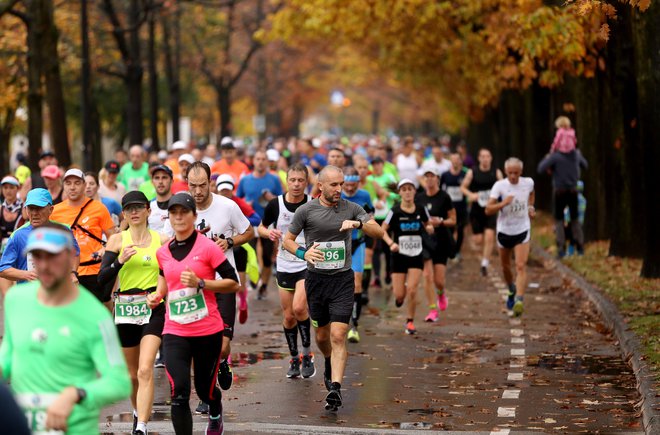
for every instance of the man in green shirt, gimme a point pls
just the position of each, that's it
(60, 350)
(135, 172)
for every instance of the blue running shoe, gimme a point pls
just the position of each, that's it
(511, 299)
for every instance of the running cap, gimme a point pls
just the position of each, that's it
(225, 181)
(404, 182)
(38, 197)
(51, 171)
(208, 160)
(49, 239)
(45, 154)
(377, 160)
(112, 166)
(184, 200)
(187, 158)
(179, 145)
(163, 168)
(10, 180)
(272, 155)
(75, 172)
(134, 197)
(162, 155)
(431, 170)
(227, 143)
(316, 142)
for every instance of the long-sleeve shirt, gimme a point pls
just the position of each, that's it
(46, 349)
(565, 168)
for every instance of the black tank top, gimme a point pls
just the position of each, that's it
(483, 180)
(7, 227)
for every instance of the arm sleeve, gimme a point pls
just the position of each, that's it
(299, 218)
(109, 269)
(113, 383)
(254, 219)
(10, 255)
(226, 271)
(271, 212)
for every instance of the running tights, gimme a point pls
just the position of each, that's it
(179, 353)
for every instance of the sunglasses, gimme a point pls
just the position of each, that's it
(132, 208)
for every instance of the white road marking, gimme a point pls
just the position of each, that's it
(517, 340)
(517, 332)
(518, 352)
(509, 412)
(515, 377)
(510, 394)
(499, 431)
(514, 321)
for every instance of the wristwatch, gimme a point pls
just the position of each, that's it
(201, 284)
(230, 242)
(82, 394)
(360, 225)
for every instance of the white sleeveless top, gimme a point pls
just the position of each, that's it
(407, 167)
(287, 262)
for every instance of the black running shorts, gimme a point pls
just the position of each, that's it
(509, 242)
(330, 297)
(288, 280)
(131, 335)
(401, 263)
(480, 221)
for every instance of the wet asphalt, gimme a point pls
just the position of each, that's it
(555, 370)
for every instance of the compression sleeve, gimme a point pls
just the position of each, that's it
(109, 268)
(254, 219)
(113, 383)
(226, 270)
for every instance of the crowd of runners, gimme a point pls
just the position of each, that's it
(171, 241)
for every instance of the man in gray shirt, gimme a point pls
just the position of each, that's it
(327, 223)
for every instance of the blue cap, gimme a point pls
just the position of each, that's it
(38, 197)
(49, 239)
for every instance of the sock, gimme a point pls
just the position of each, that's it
(433, 306)
(366, 277)
(357, 308)
(336, 386)
(484, 262)
(242, 296)
(512, 288)
(409, 320)
(141, 426)
(519, 298)
(305, 327)
(439, 292)
(328, 368)
(292, 340)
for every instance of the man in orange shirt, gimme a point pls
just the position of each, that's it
(229, 164)
(178, 148)
(89, 220)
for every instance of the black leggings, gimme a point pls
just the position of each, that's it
(179, 353)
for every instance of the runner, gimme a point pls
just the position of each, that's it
(52, 177)
(131, 257)
(135, 172)
(476, 187)
(92, 191)
(185, 160)
(15, 266)
(89, 220)
(193, 331)
(451, 181)
(222, 221)
(408, 221)
(60, 349)
(330, 283)
(438, 246)
(382, 208)
(362, 198)
(513, 227)
(407, 161)
(229, 164)
(108, 186)
(291, 271)
(161, 177)
(11, 217)
(337, 157)
(436, 161)
(258, 188)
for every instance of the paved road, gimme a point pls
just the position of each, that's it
(553, 370)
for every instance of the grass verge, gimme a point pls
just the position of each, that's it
(638, 299)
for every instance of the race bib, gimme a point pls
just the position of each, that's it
(35, 407)
(455, 193)
(484, 196)
(286, 255)
(334, 255)
(187, 305)
(410, 246)
(518, 209)
(131, 310)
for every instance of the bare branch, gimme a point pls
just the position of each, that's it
(6, 6)
(117, 31)
(20, 15)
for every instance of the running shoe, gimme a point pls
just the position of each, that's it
(571, 250)
(365, 298)
(225, 375)
(135, 422)
(518, 307)
(159, 363)
(398, 303)
(333, 400)
(388, 279)
(202, 408)
(242, 312)
(410, 328)
(433, 316)
(262, 292)
(443, 301)
(140, 432)
(511, 298)
(215, 426)
(294, 367)
(561, 254)
(353, 335)
(308, 368)
(484, 271)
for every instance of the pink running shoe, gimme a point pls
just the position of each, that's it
(242, 311)
(443, 302)
(433, 316)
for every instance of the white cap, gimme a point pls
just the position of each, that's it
(187, 158)
(208, 160)
(226, 140)
(404, 182)
(430, 169)
(372, 142)
(162, 155)
(316, 142)
(273, 155)
(179, 145)
(10, 180)
(75, 172)
(225, 181)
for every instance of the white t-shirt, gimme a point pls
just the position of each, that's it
(440, 167)
(224, 217)
(116, 194)
(407, 167)
(514, 218)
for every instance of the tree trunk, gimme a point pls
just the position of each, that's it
(86, 91)
(133, 80)
(224, 108)
(172, 65)
(5, 136)
(153, 83)
(35, 92)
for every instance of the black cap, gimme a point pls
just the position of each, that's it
(377, 160)
(228, 146)
(134, 197)
(184, 200)
(45, 154)
(163, 168)
(112, 166)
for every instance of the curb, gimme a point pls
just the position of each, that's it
(630, 346)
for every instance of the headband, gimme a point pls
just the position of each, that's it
(352, 178)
